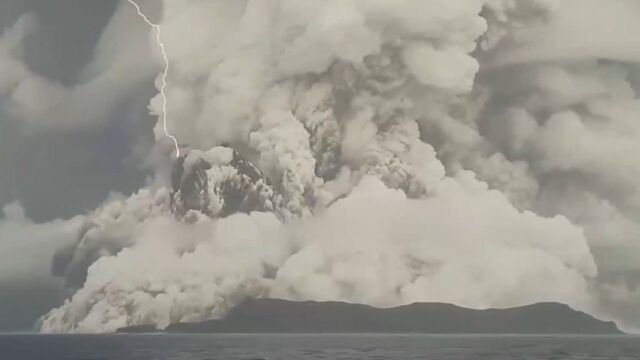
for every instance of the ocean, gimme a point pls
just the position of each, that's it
(307, 347)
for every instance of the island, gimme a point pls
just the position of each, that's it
(281, 316)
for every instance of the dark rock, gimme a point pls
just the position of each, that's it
(280, 316)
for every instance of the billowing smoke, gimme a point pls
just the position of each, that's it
(358, 151)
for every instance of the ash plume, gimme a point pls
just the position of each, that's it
(359, 151)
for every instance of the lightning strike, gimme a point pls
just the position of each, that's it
(165, 73)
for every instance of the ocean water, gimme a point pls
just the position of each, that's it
(307, 347)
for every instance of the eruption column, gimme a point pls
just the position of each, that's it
(163, 84)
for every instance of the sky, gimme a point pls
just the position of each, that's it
(476, 152)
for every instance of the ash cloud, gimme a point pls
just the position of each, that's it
(329, 133)
(381, 152)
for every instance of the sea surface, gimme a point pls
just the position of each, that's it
(307, 347)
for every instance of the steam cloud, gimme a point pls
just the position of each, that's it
(358, 150)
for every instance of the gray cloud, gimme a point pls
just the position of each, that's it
(476, 152)
(71, 122)
(52, 113)
(564, 37)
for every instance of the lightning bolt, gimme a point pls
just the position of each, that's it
(165, 73)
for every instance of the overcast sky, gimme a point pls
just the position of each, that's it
(496, 150)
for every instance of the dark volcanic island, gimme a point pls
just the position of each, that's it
(280, 316)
